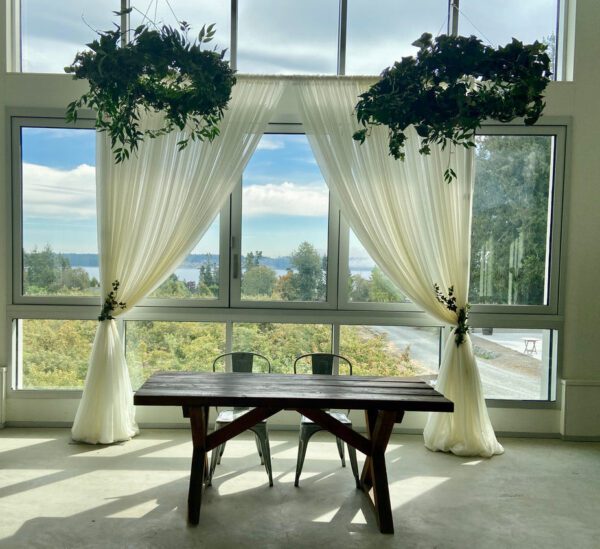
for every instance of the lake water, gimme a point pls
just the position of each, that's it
(189, 274)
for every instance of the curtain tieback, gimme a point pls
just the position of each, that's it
(462, 313)
(111, 304)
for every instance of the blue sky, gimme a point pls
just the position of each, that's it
(285, 200)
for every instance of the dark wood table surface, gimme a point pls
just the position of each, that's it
(383, 399)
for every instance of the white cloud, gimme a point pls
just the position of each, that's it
(49, 192)
(285, 199)
(270, 143)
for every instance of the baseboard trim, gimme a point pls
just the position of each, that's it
(574, 438)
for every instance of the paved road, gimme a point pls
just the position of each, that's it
(498, 381)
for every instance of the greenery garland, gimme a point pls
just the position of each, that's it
(462, 314)
(158, 70)
(111, 304)
(450, 87)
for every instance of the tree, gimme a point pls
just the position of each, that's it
(173, 287)
(252, 260)
(208, 280)
(308, 280)
(49, 273)
(358, 288)
(259, 281)
(382, 290)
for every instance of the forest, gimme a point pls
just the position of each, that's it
(56, 352)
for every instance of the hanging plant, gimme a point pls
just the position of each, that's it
(158, 70)
(452, 85)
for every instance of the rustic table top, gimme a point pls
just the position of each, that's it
(290, 391)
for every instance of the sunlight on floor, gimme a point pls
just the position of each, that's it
(17, 443)
(411, 488)
(136, 511)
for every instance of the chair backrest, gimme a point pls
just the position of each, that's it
(242, 361)
(322, 363)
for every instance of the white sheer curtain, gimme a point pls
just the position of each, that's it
(152, 210)
(417, 228)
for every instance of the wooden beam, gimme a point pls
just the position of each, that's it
(237, 426)
(338, 428)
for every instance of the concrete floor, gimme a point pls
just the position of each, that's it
(56, 494)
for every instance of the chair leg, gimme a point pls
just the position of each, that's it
(220, 452)
(267, 457)
(214, 456)
(305, 433)
(354, 464)
(300, 460)
(262, 440)
(340, 445)
(258, 447)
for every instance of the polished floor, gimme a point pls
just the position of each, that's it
(56, 494)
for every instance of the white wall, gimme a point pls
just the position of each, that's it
(579, 363)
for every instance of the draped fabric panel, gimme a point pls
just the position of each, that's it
(417, 229)
(152, 210)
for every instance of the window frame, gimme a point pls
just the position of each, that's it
(33, 119)
(556, 128)
(564, 45)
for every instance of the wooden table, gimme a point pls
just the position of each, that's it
(384, 401)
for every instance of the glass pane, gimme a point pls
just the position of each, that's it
(282, 343)
(367, 282)
(285, 207)
(288, 37)
(391, 350)
(55, 353)
(198, 276)
(496, 22)
(53, 33)
(380, 33)
(513, 363)
(60, 250)
(153, 346)
(195, 12)
(510, 228)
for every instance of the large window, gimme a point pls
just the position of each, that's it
(279, 272)
(282, 36)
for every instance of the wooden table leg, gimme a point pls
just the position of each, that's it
(365, 477)
(199, 423)
(380, 436)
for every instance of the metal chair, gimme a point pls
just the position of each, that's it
(242, 362)
(322, 363)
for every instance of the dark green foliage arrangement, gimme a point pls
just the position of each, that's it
(462, 314)
(450, 87)
(161, 70)
(111, 304)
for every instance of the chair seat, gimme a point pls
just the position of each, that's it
(340, 416)
(227, 416)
